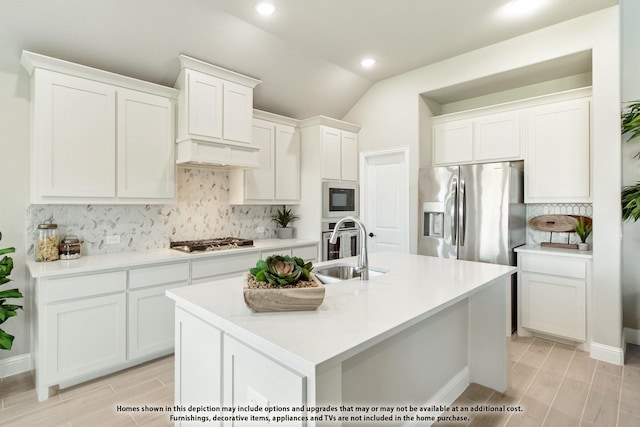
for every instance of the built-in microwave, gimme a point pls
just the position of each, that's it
(339, 199)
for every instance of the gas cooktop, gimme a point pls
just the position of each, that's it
(207, 245)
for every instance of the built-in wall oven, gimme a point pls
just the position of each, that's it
(347, 243)
(339, 199)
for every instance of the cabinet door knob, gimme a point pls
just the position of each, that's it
(371, 234)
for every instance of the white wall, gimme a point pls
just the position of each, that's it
(14, 195)
(630, 166)
(389, 114)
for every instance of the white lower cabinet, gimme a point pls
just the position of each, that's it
(216, 369)
(553, 295)
(151, 312)
(85, 336)
(250, 378)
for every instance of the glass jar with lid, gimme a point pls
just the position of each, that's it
(47, 242)
(70, 248)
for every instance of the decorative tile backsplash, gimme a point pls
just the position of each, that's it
(202, 211)
(536, 236)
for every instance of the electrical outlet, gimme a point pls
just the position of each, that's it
(112, 240)
(260, 230)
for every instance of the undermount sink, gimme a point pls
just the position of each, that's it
(339, 272)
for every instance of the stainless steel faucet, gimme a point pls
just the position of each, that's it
(363, 259)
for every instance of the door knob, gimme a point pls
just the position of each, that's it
(371, 234)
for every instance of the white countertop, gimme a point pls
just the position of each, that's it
(88, 264)
(546, 250)
(354, 315)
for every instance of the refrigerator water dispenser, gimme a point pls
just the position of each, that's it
(433, 213)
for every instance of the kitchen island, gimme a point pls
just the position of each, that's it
(405, 340)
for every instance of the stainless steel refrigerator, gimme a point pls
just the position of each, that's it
(473, 212)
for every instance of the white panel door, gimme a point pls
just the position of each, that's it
(151, 320)
(74, 136)
(349, 156)
(146, 165)
(85, 336)
(204, 104)
(287, 160)
(453, 142)
(558, 163)
(386, 201)
(497, 136)
(237, 112)
(331, 153)
(259, 182)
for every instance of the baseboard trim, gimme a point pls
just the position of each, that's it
(607, 353)
(444, 397)
(15, 365)
(632, 336)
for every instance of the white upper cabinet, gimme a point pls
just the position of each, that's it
(98, 137)
(215, 112)
(497, 137)
(484, 138)
(277, 180)
(558, 167)
(453, 142)
(339, 154)
(146, 166)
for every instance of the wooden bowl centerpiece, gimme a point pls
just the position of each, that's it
(282, 283)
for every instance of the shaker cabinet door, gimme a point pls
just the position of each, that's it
(237, 112)
(259, 182)
(287, 160)
(146, 165)
(74, 137)
(204, 104)
(558, 166)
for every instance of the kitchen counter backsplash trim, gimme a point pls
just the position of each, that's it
(202, 211)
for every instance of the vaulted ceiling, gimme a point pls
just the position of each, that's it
(307, 53)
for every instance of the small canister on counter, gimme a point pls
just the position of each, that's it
(70, 247)
(47, 242)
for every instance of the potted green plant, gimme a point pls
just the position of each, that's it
(631, 193)
(283, 218)
(7, 310)
(282, 283)
(583, 229)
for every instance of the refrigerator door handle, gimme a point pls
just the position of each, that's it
(463, 211)
(454, 213)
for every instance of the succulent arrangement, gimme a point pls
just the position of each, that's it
(282, 270)
(7, 310)
(583, 229)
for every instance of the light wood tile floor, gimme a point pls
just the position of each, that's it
(553, 384)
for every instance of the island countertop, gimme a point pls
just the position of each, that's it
(355, 314)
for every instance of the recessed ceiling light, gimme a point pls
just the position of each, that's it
(368, 62)
(265, 8)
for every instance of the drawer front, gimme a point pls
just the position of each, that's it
(85, 286)
(159, 275)
(557, 266)
(283, 252)
(224, 265)
(307, 253)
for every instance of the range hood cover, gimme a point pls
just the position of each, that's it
(205, 153)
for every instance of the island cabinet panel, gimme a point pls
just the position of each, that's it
(198, 362)
(85, 336)
(553, 296)
(250, 378)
